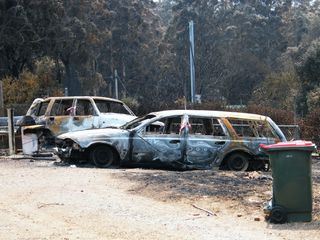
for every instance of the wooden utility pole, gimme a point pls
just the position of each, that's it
(11, 137)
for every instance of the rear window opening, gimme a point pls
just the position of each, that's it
(111, 107)
(252, 128)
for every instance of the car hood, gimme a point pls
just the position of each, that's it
(116, 119)
(103, 135)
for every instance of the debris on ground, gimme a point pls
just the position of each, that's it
(50, 204)
(38, 156)
(205, 210)
(257, 175)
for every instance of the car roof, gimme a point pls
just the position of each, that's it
(209, 113)
(84, 97)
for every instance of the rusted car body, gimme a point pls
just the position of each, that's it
(56, 115)
(186, 139)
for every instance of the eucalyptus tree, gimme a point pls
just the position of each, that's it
(237, 43)
(18, 41)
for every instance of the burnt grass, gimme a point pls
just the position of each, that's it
(247, 189)
(194, 184)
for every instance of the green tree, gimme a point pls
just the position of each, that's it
(237, 43)
(309, 69)
(18, 38)
(278, 90)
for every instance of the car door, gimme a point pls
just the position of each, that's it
(59, 119)
(158, 141)
(206, 138)
(85, 115)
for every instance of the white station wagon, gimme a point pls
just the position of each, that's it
(186, 139)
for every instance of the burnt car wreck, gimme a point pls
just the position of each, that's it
(185, 139)
(49, 117)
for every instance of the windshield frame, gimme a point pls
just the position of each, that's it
(125, 107)
(142, 120)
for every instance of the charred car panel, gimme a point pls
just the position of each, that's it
(189, 139)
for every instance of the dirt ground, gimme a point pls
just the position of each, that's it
(40, 200)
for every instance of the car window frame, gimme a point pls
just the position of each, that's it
(129, 111)
(92, 102)
(254, 131)
(61, 99)
(211, 119)
(139, 129)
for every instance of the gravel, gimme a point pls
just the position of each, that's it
(40, 200)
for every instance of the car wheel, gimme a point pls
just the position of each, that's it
(102, 156)
(278, 215)
(238, 162)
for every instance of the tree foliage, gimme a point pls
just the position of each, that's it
(26, 87)
(278, 90)
(245, 50)
(23, 89)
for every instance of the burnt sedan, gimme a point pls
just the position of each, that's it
(186, 139)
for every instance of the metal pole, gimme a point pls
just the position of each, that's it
(11, 137)
(192, 64)
(297, 133)
(110, 86)
(123, 80)
(66, 92)
(1, 99)
(116, 84)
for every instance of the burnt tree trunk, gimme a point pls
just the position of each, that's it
(72, 81)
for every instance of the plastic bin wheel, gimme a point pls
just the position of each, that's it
(278, 215)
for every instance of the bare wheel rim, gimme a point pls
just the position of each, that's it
(102, 156)
(238, 162)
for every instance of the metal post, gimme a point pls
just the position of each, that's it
(1, 100)
(192, 64)
(116, 84)
(66, 92)
(297, 133)
(11, 137)
(124, 79)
